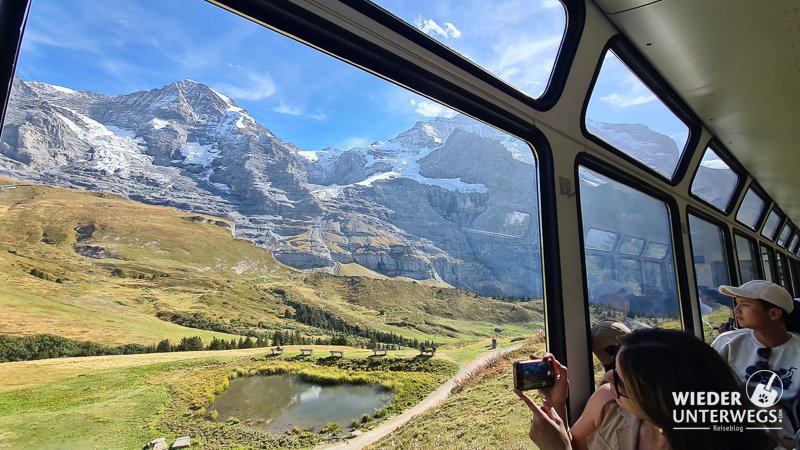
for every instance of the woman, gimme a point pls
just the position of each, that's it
(635, 409)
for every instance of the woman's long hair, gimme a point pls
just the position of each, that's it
(657, 363)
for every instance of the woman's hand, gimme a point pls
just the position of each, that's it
(556, 395)
(547, 430)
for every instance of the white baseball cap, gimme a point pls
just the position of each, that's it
(763, 290)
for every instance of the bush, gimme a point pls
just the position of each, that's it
(214, 415)
(233, 420)
(200, 412)
(331, 428)
(366, 418)
(356, 424)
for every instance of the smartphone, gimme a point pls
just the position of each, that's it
(730, 323)
(533, 374)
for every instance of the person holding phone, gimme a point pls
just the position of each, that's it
(635, 408)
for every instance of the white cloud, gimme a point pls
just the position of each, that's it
(283, 108)
(626, 100)
(454, 33)
(432, 109)
(255, 87)
(354, 141)
(430, 27)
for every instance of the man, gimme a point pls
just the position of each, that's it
(762, 342)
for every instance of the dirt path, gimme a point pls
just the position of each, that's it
(432, 400)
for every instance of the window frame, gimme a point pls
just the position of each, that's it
(734, 165)
(575, 21)
(787, 224)
(648, 75)
(619, 175)
(778, 227)
(762, 215)
(755, 254)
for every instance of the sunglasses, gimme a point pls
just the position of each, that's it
(763, 352)
(617, 383)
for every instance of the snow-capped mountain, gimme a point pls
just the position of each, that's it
(449, 199)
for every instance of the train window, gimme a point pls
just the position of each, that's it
(771, 225)
(631, 245)
(750, 209)
(601, 240)
(787, 231)
(516, 41)
(627, 115)
(636, 290)
(746, 254)
(792, 247)
(656, 250)
(714, 181)
(227, 172)
(711, 271)
(768, 263)
(779, 270)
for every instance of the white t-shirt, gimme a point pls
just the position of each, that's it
(739, 348)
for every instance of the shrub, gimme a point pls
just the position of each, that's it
(381, 413)
(356, 424)
(233, 420)
(331, 428)
(366, 418)
(200, 412)
(214, 415)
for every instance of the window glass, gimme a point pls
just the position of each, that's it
(516, 40)
(746, 253)
(771, 225)
(793, 243)
(638, 291)
(624, 113)
(750, 209)
(711, 271)
(768, 263)
(601, 240)
(656, 250)
(779, 270)
(714, 181)
(787, 231)
(227, 183)
(631, 245)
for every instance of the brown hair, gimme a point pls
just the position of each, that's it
(655, 363)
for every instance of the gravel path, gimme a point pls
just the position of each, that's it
(432, 400)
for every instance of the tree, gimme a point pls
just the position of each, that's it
(164, 346)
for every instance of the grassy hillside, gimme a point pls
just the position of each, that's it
(94, 266)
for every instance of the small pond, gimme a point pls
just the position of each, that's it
(281, 402)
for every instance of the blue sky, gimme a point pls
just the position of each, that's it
(303, 96)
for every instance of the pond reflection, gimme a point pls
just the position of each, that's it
(282, 402)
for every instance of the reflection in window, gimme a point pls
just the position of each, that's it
(750, 209)
(631, 245)
(636, 290)
(601, 240)
(768, 264)
(626, 114)
(793, 244)
(656, 250)
(746, 254)
(711, 271)
(771, 225)
(516, 41)
(779, 268)
(787, 231)
(714, 181)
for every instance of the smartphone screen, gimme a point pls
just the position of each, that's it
(533, 374)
